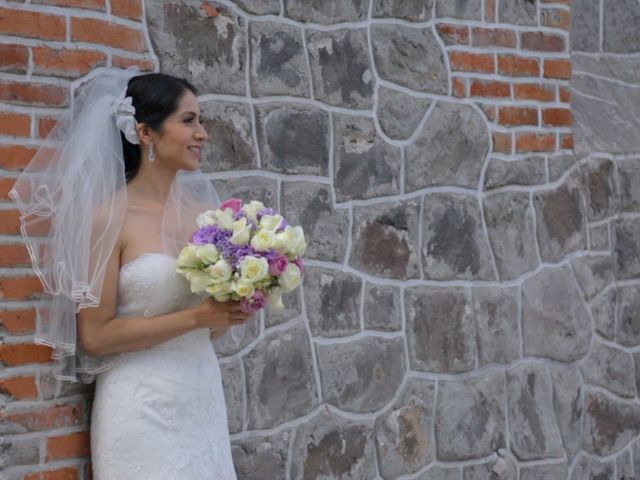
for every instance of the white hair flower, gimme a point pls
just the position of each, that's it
(125, 119)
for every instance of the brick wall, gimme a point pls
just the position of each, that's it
(45, 45)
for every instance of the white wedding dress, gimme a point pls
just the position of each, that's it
(159, 413)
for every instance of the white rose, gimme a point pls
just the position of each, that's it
(188, 258)
(242, 288)
(290, 278)
(299, 244)
(251, 210)
(220, 291)
(263, 240)
(253, 269)
(207, 253)
(274, 299)
(270, 222)
(241, 232)
(199, 280)
(224, 218)
(206, 218)
(220, 271)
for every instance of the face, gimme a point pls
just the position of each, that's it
(182, 137)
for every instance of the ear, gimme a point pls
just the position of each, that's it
(144, 133)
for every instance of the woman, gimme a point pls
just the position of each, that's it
(158, 410)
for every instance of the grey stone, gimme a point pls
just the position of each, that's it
(278, 60)
(365, 166)
(621, 67)
(509, 219)
(555, 471)
(594, 273)
(534, 432)
(224, 347)
(340, 69)
(293, 138)
(502, 468)
(279, 378)
(581, 468)
(329, 446)
(626, 248)
(454, 245)
(260, 7)
(464, 9)
(518, 13)
(603, 313)
(450, 149)
(404, 438)
(585, 26)
(385, 239)
(441, 473)
(16, 450)
(258, 458)
(624, 466)
(362, 375)
(209, 50)
(601, 470)
(609, 425)
(326, 11)
(399, 113)
(528, 171)
(230, 125)
(310, 205)
(233, 394)
(440, 329)
(636, 361)
(559, 165)
(247, 188)
(601, 192)
(629, 179)
(412, 10)
(411, 57)
(332, 298)
(599, 237)
(553, 310)
(628, 315)
(381, 307)
(470, 417)
(620, 26)
(496, 312)
(568, 406)
(560, 220)
(292, 308)
(636, 457)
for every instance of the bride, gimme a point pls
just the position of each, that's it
(119, 314)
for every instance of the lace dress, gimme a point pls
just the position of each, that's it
(159, 413)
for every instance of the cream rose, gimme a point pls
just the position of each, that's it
(251, 210)
(253, 269)
(290, 278)
(198, 280)
(220, 271)
(207, 253)
(188, 258)
(270, 222)
(242, 288)
(263, 240)
(241, 232)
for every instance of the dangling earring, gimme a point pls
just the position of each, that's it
(152, 156)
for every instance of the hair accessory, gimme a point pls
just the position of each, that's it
(125, 119)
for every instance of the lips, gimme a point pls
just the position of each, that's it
(195, 149)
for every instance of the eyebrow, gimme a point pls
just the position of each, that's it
(188, 112)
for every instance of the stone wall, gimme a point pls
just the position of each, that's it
(469, 307)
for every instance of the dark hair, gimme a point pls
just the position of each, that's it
(155, 96)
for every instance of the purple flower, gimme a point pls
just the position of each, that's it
(299, 264)
(266, 211)
(278, 265)
(255, 303)
(209, 234)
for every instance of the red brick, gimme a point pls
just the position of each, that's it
(543, 42)
(88, 4)
(68, 446)
(565, 94)
(566, 140)
(490, 88)
(516, 66)
(15, 157)
(493, 37)
(490, 111)
(6, 184)
(10, 224)
(32, 24)
(23, 353)
(20, 288)
(557, 69)
(517, 116)
(14, 256)
(535, 142)
(556, 18)
(55, 417)
(29, 93)
(559, 117)
(490, 11)
(66, 62)
(20, 388)
(14, 58)
(124, 62)
(127, 8)
(453, 34)
(472, 62)
(18, 321)
(102, 32)
(45, 124)
(65, 473)
(501, 142)
(530, 91)
(459, 89)
(15, 124)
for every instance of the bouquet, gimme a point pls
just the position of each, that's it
(244, 252)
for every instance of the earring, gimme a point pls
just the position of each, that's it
(152, 156)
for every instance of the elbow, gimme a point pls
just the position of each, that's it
(89, 342)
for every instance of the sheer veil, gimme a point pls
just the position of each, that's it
(72, 202)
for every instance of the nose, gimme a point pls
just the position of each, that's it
(201, 133)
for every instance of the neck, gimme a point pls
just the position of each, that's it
(153, 180)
